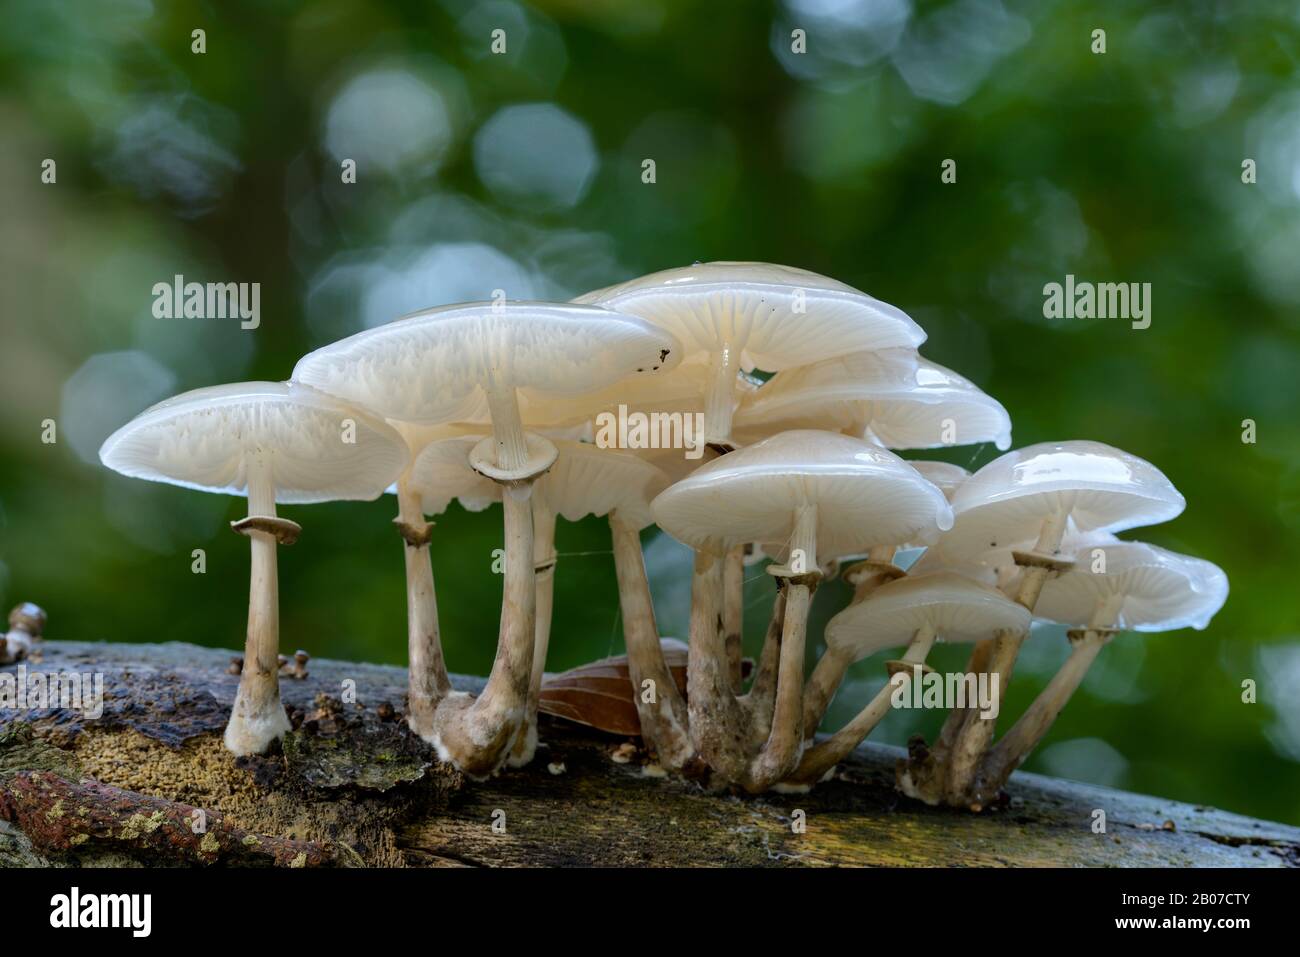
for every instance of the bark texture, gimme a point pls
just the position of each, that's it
(352, 787)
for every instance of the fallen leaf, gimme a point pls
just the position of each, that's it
(600, 695)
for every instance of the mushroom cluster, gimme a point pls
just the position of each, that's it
(501, 402)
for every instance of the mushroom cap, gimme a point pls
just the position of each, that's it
(201, 439)
(441, 472)
(1102, 489)
(29, 617)
(894, 396)
(429, 367)
(677, 390)
(672, 462)
(586, 480)
(995, 565)
(865, 496)
(1160, 590)
(946, 476)
(804, 391)
(957, 608)
(751, 306)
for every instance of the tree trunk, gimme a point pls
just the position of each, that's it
(149, 782)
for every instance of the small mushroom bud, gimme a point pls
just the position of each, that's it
(296, 668)
(29, 618)
(26, 624)
(236, 665)
(386, 711)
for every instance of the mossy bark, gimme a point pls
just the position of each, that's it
(352, 787)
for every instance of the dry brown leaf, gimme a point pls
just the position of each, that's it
(600, 695)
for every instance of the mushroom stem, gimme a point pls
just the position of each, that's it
(719, 400)
(476, 735)
(759, 700)
(821, 688)
(733, 613)
(507, 428)
(716, 719)
(427, 679)
(1014, 746)
(544, 561)
(924, 779)
(257, 718)
(659, 705)
(821, 758)
(973, 738)
(780, 754)
(832, 666)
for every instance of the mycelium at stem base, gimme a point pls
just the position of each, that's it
(258, 718)
(427, 679)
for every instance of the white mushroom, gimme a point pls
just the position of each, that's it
(914, 611)
(438, 366)
(1029, 497)
(946, 476)
(893, 397)
(740, 316)
(272, 442)
(821, 493)
(1116, 586)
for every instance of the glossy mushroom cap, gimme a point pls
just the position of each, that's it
(1101, 488)
(947, 477)
(587, 480)
(317, 448)
(429, 367)
(941, 395)
(995, 565)
(956, 608)
(672, 462)
(753, 307)
(673, 390)
(865, 496)
(1151, 588)
(894, 397)
(808, 390)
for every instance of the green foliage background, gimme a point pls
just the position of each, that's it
(224, 166)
